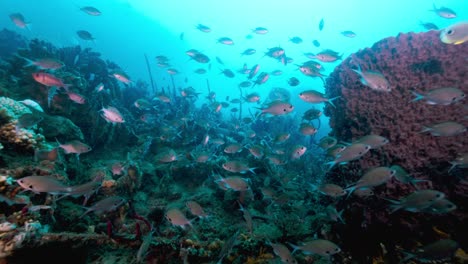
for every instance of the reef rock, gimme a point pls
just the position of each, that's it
(60, 127)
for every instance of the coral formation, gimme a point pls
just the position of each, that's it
(10, 111)
(410, 62)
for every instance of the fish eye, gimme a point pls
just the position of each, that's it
(30, 186)
(21, 181)
(284, 110)
(438, 195)
(337, 249)
(327, 252)
(450, 32)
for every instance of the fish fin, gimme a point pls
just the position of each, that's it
(252, 170)
(340, 216)
(418, 96)
(330, 101)
(407, 257)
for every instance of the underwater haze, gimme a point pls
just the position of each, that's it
(246, 131)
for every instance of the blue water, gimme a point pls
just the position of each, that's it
(127, 30)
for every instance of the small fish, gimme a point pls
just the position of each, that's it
(51, 94)
(404, 177)
(429, 26)
(312, 96)
(247, 217)
(441, 96)
(440, 250)
(277, 108)
(281, 138)
(166, 156)
(416, 201)
(233, 148)
(461, 161)
(172, 71)
(111, 115)
(373, 177)
(455, 34)
(200, 71)
(105, 205)
(444, 129)
(257, 151)
(177, 218)
(348, 33)
(321, 247)
(203, 28)
(85, 35)
(254, 71)
(245, 84)
(248, 52)
(181, 36)
(442, 206)
(45, 154)
(92, 11)
(327, 142)
(48, 79)
(307, 129)
(350, 153)
(235, 183)
(228, 73)
(444, 12)
(86, 189)
(374, 80)
(142, 104)
(252, 98)
(226, 41)
(329, 189)
(77, 98)
(43, 184)
(333, 214)
(121, 76)
(374, 141)
(293, 81)
(28, 121)
(44, 63)
(316, 43)
(297, 151)
(321, 24)
(19, 20)
(283, 252)
(276, 72)
(144, 247)
(237, 166)
(75, 147)
(260, 30)
(296, 40)
(328, 55)
(99, 88)
(196, 209)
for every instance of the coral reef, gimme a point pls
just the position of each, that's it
(410, 62)
(10, 111)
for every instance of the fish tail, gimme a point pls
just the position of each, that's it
(454, 164)
(28, 61)
(330, 101)
(340, 217)
(331, 164)
(252, 170)
(350, 190)
(407, 257)
(295, 248)
(425, 129)
(418, 96)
